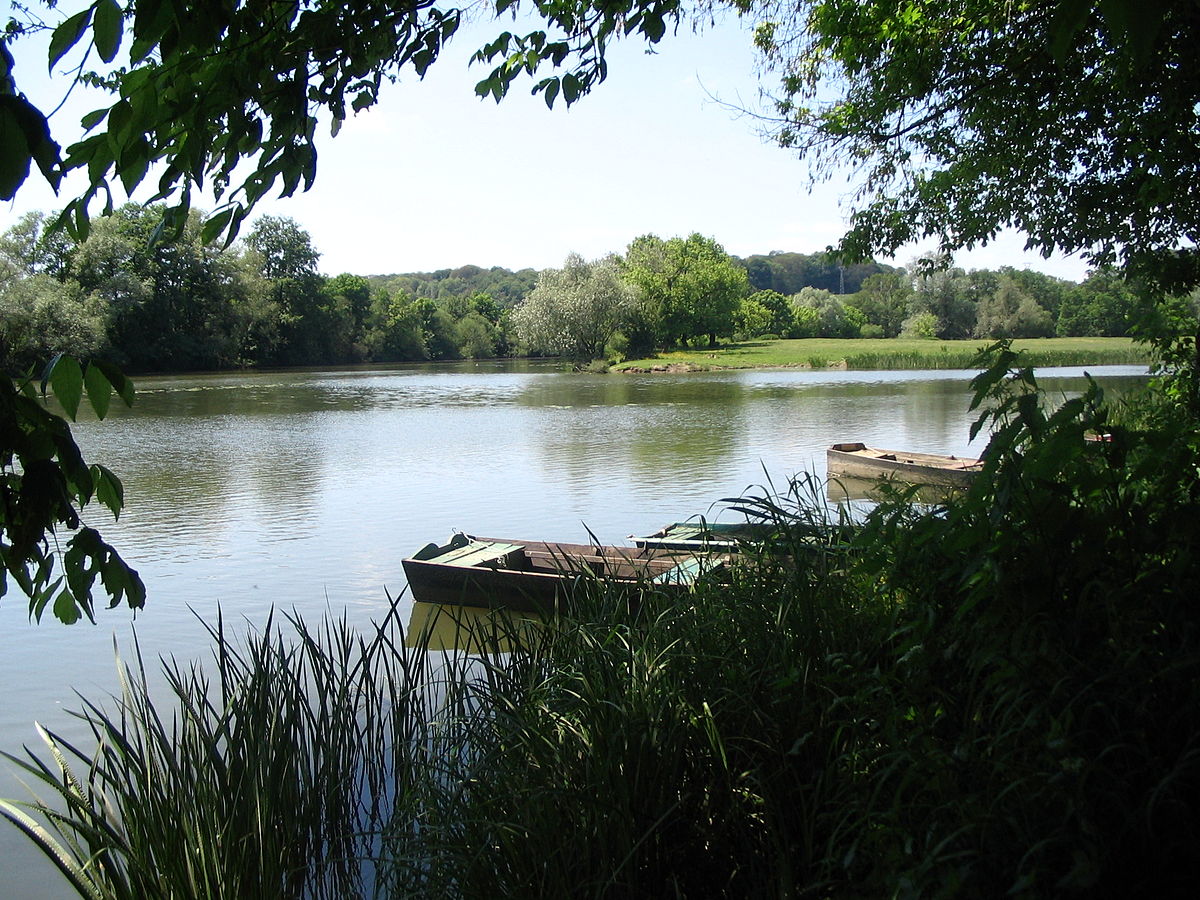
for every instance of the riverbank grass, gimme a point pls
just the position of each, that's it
(894, 353)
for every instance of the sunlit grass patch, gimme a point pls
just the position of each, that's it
(894, 353)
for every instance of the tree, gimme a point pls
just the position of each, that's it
(689, 286)
(1009, 312)
(30, 247)
(820, 314)
(946, 294)
(394, 330)
(314, 327)
(477, 338)
(778, 309)
(1075, 122)
(41, 317)
(884, 299)
(752, 318)
(1104, 305)
(574, 311)
(167, 303)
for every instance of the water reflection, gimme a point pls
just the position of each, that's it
(468, 629)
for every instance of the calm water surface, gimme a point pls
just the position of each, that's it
(303, 490)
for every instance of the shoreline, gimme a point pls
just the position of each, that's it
(886, 354)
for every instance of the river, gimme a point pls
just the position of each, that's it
(303, 490)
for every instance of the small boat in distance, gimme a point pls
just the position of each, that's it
(536, 576)
(856, 460)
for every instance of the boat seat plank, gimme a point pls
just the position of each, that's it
(477, 553)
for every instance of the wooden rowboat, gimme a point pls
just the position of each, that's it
(536, 576)
(855, 460)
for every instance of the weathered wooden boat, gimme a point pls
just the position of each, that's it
(537, 576)
(855, 460)
(705, 536)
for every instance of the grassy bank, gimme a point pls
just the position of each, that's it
(896, 353)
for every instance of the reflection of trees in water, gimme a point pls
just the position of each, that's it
(206, 475)
(657, 430)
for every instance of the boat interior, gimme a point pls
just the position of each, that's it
(623, 563)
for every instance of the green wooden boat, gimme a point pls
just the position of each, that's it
(537, 576)
(706, 536)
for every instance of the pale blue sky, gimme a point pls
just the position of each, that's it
(435, 177)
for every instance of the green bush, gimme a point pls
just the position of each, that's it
(871, 331)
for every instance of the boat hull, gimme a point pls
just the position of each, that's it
(854, 460)
(535, 576)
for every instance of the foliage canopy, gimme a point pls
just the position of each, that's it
(1074, 121)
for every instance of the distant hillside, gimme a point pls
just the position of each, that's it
(786, 273)
(504, 285)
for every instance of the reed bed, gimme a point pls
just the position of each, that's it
(278, 769)
(964, 358)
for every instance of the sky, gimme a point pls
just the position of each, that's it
(434, 177)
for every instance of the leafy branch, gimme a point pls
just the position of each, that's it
(45, 483)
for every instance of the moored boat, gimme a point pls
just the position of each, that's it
(705, 536)
(856, 460)
(537, 575)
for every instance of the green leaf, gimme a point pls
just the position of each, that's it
(653, 27)
(66, 378)
(99, 390)
(107, 28)
(14, 151)
(109, 489)
(216, 225)
(571, 88)
(35, 131)
(120, 383)
(92, 119)
(67, 35)
(121, 581)
(66, 610)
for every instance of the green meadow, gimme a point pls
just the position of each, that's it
(894, 353)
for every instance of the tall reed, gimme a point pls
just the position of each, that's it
(278, 770)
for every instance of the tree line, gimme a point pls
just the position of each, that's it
(184, 305)
(681, 291)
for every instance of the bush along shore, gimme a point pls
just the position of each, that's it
(997, 695)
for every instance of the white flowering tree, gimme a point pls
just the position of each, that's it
(574, 311)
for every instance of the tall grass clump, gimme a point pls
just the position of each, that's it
(941, 358)
(960, 356)
(667, 748)
(280, 768)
